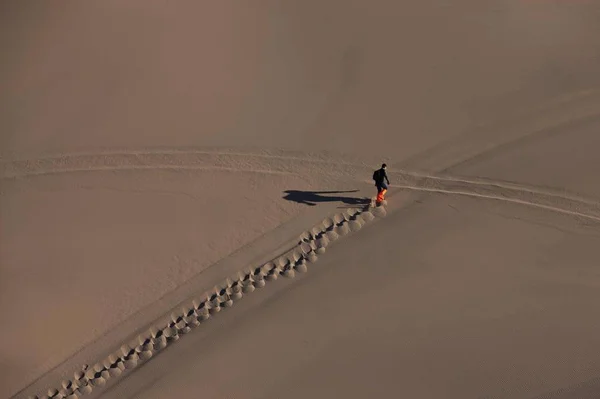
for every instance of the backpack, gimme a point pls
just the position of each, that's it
(376, 175)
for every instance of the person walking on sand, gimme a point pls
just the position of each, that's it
(380, 177)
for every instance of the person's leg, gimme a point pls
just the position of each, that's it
(379, 194)
(384, 189)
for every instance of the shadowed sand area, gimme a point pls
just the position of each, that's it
(151, 151)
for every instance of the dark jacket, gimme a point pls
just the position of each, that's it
(379, 176)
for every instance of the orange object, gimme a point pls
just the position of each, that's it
(381, 195)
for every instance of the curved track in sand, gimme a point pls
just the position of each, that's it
(560, 114)
(566, 203)
(282, 163)
(173, 159)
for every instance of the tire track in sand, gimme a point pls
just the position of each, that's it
(265, 162)
(551, 200)
(282, 163)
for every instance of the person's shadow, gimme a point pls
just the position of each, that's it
(311, 198)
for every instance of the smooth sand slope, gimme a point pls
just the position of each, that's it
(149, 151)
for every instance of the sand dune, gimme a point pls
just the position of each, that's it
(184, 199)
(424, 312)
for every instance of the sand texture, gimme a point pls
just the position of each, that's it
(185, 199)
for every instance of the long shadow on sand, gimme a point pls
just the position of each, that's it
(312, 198)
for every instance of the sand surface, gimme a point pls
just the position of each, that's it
(150, 151)
(480, 303)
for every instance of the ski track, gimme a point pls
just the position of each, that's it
(311, 243)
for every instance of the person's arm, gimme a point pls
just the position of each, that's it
(386, 177)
